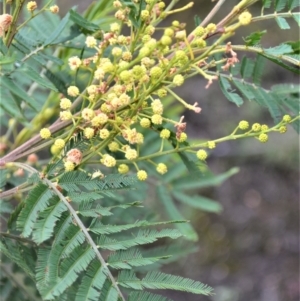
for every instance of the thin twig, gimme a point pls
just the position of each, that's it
(14, 190)
(212, 12)
(15, 237)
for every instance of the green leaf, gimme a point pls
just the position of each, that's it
(279, 50)
(3, 178)
(15, 89)
(36, 77)
(158, 280)
(71, 268)
(282, 23)
(108, 292)
(134, 14)
(7, 60)
(12, 107)
(166, 199)
(92, 282)
(207, 180)
(130, 258)
(86, 209)
(98, 228)
(85, 26)
(175, 171)
(75, 239)
(146, 296)
(194, 166)
(296, 17)
(44, 227)
(267, 3)
(5, 207)
(295, 46)
(197, 20)
(254, 38)
(142, 237)
(280, 5)
(85, 198)
(3, 48)
(52, 58)
(247, 67)
(58, 31)
(258, 69)
(37, 200)
(293, 4)
(59, 82)
(285, 89)
(281, 63)
(198, 202)
(227, 90)
(16, 254)
(75, 180)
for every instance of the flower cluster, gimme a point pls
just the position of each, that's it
(127, 89)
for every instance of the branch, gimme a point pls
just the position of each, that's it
(15, 237)
(19, 151)
(212, 12)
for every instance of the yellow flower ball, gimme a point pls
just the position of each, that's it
(31, 6)
(244, 125)
(256, 127)
(108, 161)
(211, 144)
(178, 80)
(73, 91)
(104, 133)
(45, 133)
(263, 138)
(131, 154)
(59, 143)
(89, 133)
(123, 168)
(201, 154)
(161, 168)
(142, 175)
(182, 137)
(145, 123)
(165, 134)
(245, 18)
(282, 129)
(69, 166)
(287, 118)
(113, 146)
(54, 9)
(65, 103)
(156, 119)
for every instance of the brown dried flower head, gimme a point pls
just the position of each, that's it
(5, 21)
(74, 155)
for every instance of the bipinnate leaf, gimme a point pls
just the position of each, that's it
(158, 280)
(198, 202)
(166, 199)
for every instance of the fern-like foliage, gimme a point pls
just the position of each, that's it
(73, 254)
(243, 82)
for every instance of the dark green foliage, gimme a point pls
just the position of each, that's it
(66, 255)
(197, 20)
(135, 11)
(86, 27)
(244, 82)
(254, 38)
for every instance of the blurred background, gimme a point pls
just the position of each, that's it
(250, 252)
